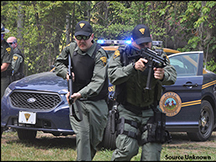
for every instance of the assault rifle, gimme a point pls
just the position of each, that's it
(70, 88)
(154, 60)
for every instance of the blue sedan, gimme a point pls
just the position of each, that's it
(38, 102)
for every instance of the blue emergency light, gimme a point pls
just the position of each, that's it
(100, 41)
(128, 41)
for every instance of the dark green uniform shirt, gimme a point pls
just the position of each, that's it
(6, 57)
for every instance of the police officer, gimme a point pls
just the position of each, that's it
(17, 61)
(90, 88)
(6, 59)
(135, 103)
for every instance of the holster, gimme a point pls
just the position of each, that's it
(113, 117)
(156, 129)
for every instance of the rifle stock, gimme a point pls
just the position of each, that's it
(70, 83)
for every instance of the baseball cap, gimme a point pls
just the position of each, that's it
(141, 34)
(83, 28)
(4, 30)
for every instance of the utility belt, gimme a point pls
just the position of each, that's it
(135, 109)
(6, 73)
(154, 128)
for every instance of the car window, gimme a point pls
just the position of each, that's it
(185, 64)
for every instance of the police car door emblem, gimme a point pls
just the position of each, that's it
(170, 103)
(31, 100)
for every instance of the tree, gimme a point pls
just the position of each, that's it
(43, 28)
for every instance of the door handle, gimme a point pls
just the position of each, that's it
(190, 85)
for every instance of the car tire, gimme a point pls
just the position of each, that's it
(206, 123)
(109, 138)
(24, 134)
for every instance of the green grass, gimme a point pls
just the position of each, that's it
(50, 148)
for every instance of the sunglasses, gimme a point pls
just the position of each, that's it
(80, 37)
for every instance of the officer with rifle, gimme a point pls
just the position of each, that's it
(138, 74)
(88, 89)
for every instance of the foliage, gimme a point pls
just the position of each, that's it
(211, 66)
(42, 27)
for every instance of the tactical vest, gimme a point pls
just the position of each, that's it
(19, 74)
(132, 94)
(83, 67)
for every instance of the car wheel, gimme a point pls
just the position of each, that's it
(24, 134)
(206, 123)
(109, 138)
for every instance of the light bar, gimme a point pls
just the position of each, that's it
(157, 43)
(101, 41)
(114, 41)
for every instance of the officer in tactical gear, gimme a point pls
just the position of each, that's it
(136, 105)
(6, 59)
(90, 88)
(17, 61)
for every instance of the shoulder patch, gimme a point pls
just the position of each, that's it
(116, 54)
(104, 60)
(8, 50)
(15, 58)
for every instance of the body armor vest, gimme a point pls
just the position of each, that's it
(83, 67)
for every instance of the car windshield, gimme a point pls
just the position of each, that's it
(185, 65)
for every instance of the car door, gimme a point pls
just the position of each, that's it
(182, 101)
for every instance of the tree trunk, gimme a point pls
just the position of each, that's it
(20, 29)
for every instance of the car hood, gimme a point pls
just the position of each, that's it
(46, 81)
